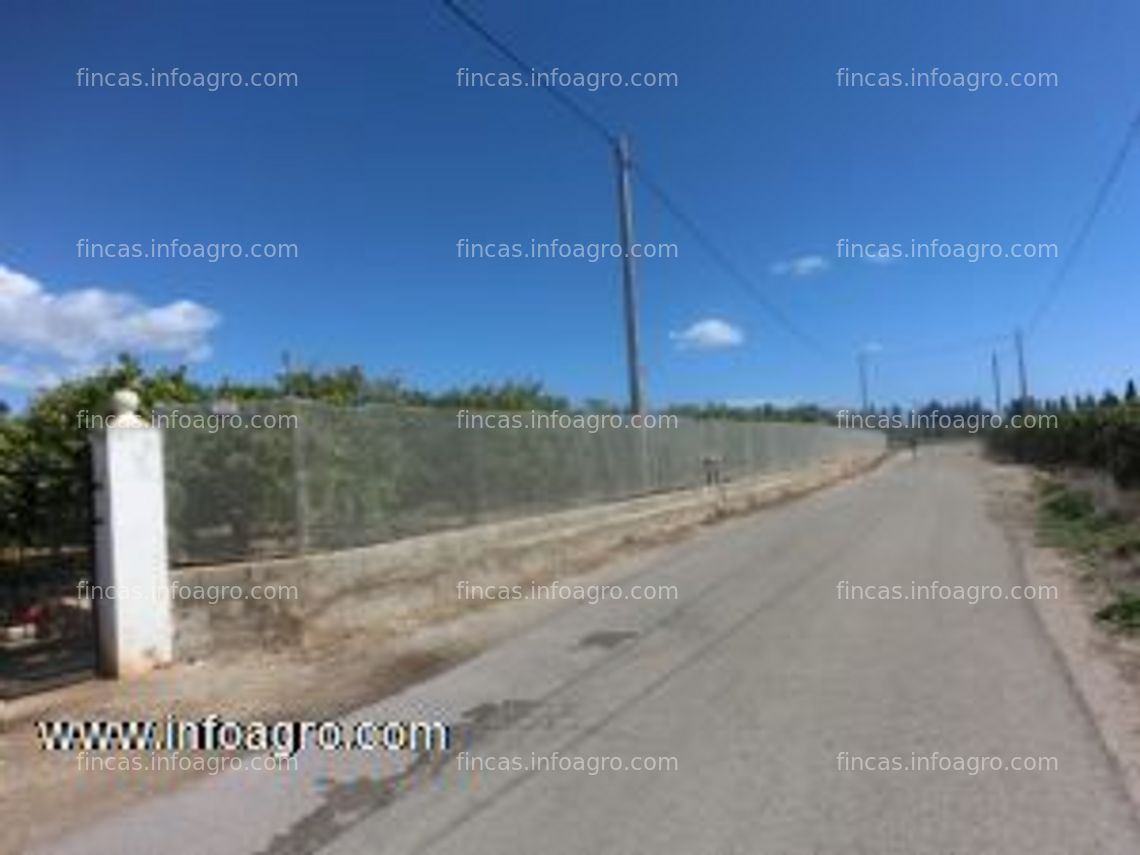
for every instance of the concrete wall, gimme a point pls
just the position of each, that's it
(392, 586)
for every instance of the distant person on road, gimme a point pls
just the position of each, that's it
(912, 441)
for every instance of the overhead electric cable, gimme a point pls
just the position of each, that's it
(654, 187)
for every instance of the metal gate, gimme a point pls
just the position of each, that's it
(47, 562)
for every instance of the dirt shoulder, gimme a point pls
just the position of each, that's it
(313, 683)
(1103, 663)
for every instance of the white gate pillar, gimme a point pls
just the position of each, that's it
(134, 620)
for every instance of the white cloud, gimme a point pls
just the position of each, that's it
(709, 334)
(879, 259)
(805, 265)
(48, 336)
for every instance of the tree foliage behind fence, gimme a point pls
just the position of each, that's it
(351, 476)
(1105, 437)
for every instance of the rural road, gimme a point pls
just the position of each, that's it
(755, 679)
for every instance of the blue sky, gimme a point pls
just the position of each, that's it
(377, 163)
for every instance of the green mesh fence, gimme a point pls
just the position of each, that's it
(284, 478)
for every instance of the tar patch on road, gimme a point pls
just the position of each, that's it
(489, 717)
(347, 803)
(607, 639)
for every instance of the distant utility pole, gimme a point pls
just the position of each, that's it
(286, 368)
(863, 379)
(629, 285)
(997, 383)
(1023, 382)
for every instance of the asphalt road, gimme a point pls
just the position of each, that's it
(755, 681)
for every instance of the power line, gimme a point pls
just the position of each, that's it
(654, 187)
(584, 115)
(1111, 176)
(748, 285)
(1106, 184)
(725, 263)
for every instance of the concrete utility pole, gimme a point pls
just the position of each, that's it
(629, 285)
(286, 368)
(997, 383)
(1023, 382)
(863, 379)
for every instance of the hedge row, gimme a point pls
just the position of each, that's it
(1106, 438)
